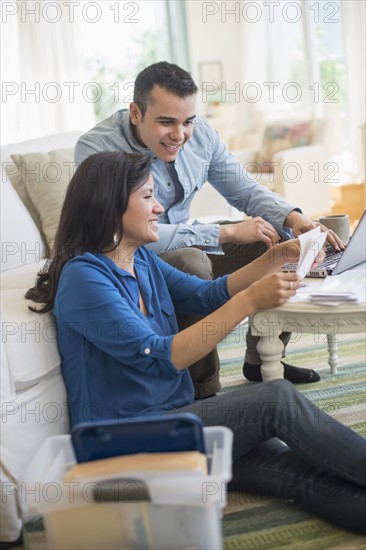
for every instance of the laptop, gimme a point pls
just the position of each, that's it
(337, 262)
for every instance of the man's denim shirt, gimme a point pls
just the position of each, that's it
(203, 158)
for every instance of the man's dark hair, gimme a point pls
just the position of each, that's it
(172, 78)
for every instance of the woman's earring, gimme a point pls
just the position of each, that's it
(115, 240)
(116, 251)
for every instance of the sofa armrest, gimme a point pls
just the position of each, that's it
(244, 156)
(303, 156)
(301, 176)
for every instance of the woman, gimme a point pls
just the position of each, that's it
(114, 303)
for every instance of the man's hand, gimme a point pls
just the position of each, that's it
(249, 231)
(301, 224)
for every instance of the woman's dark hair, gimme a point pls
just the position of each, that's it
(91, 215)
(172, 78)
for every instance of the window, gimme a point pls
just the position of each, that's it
(67, 65)
(306, 58)
(306, 66)
(135, 35)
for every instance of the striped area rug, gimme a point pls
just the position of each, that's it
(252, 522)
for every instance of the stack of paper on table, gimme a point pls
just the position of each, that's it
(333, 290)
(346, 287)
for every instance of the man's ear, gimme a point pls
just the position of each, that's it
(135, 113)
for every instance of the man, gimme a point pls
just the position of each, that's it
(187, 152)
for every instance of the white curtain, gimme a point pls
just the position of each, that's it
(353, 12)
(263, 95)
(253, 70)
(43, 89)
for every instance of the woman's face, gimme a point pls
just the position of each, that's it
(140, 221)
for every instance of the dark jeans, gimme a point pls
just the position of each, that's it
(205, 373)
(285, 446)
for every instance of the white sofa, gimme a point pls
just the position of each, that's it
(33, 397)
(300, 174)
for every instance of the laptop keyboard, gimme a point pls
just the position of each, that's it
(331, 259)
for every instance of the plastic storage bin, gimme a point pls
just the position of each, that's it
(184, 511)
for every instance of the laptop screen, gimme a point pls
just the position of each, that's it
(355, 252)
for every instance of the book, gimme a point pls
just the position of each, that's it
(177, 463)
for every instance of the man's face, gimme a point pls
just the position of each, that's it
(167, 124)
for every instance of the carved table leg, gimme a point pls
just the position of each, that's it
(270, 349)
(332, 350)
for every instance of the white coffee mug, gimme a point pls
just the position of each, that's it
(339, 224)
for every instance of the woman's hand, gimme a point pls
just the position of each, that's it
(188, 346)
(319, 258)
(290, 251)
(270, 262)
(273, 290)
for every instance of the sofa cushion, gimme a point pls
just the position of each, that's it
(45, 143)
(41, 180)
(10, 520)
(278, 137)
(6, 382)
(21, 241)
(29, 339)
(28, 419)
(21, 277)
